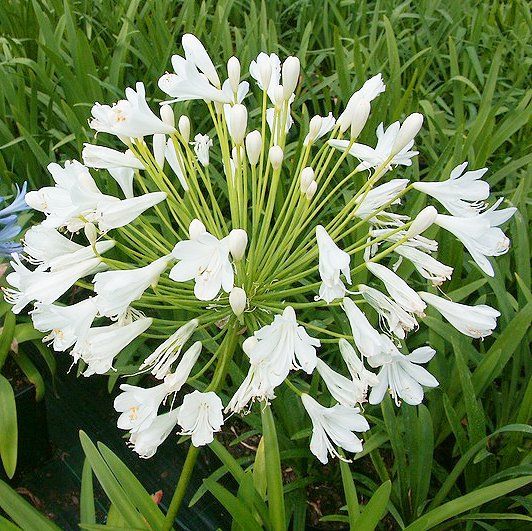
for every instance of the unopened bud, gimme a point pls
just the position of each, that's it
(276, 157)
(233, 72)
(91, 233)
(237, 301)
(253, 147)
(290, 76)
(307, 177)
(311, 190)
(314, 128)
(265, 74)
(422, 221)
(159, 146)
(167, 115)
(278, 96)
(359, 117)
(238, 241)
(249, 344)
(409, 129)
(238, 122)
(184, 128)
(196, 229)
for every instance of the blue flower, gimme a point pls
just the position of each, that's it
(9, 218)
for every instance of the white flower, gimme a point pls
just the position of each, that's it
(462, 194)
(237, 242)
(131, 117)
(418, 241)
(101, 345)
(116, 290)
(124, 178)
(474, 321)
(480, 235)
(396, 319)
(146, 442)
(104, 157)
(270, 115)
(427, 266)
(177, 379)
(374, 157)
(162, 358)
(43, 244)
(319, 127)
(266, 70)
(206, 260)
(237, 301)
(200, 416)
(356, 368)
(401, 374)
(366, 338)
(332, 262)
(379, 196)
(202, 144)
(171, 156)
(333, 426)
(195, 52)
(399, 290)
(345, 391)
(66, 324)
(42, 286)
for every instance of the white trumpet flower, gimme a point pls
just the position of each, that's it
(356, 368)
(427, 266)
(345, 391)
(104, 157)
(379, 196)
(366, 338)
(333, 426)
(44, 244)
(474, 321)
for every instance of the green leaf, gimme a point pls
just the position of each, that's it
(351, 498)
(8, 427)
(375, 509)
(87, 513)
(6, 338)
(6, 525)
(259, 470)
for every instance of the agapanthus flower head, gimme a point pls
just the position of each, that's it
(233, 235)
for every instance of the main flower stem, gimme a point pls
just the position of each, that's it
(227, 350)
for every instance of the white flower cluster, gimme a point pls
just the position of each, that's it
(256, 231)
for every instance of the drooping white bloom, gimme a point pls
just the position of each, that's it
(427, 266)
(392, 316)
(332, 262)
(399, 290)
(462, 194)
(65, 324)
(104, 157)
(116, 290)
(374, 157)
(417, 242)
(401, 374)
(176, 380)
(130, 118)
(146, 442)
(101, 345)
(474, 321)
(266, 70)
(200, 416)
(366, 338)
(43, 244)
(481, 234)
(172, 158)
(379, 196)
(202, 144)
(206, 260)
(161, 360)
(333, 426)
(345, 391)
(356, 368)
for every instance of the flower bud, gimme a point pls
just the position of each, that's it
(91, 233)
(184, 128)
(238, 241)
(307, 176)
(311, 190)
(233, 72)
(253, 147)
(409, 129)
(237, 301)
(238, 122)
(422, 221)
(290, 76)
(276, 157)
(249, 344)
(314, 129)
(359, 117)
(196, 229)
(159, 146)
(167, 115)
(265, 74)
(278, 96)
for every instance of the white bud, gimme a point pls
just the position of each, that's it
(422, 221)
(409, 129)
(249, 344)
(234, 154)
(314, 128)
(167, 115)
(307, 177)
(238, 241)
(91, 233)
(233, 73)
(184, 128)
(253, 147)
(278, 95)
(290, 76)
(238, 123)
(196, 229)
(159, 145)
(276, 157)
(265, 74)
(311, 190)
(237, 301)
(359, 117)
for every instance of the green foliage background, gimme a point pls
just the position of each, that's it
(463, 64)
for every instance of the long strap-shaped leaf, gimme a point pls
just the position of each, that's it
(8, 427)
